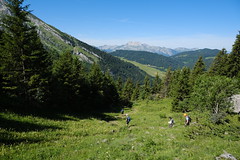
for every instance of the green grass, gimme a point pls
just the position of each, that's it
(150, 70)
(24, 137)
(209, 57)
(89, 55)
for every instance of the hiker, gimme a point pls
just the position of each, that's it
(187, 119)
(122, 111)
(128, 119)
(171, 122)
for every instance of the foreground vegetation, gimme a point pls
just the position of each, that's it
(106, 136)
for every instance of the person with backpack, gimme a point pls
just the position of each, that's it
(128, 119)
(122, 111)
(187, 119)
(171, 122)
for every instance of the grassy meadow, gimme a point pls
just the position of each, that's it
(150, 70)
(106, 136)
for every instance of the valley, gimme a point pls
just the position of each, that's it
(64, 98)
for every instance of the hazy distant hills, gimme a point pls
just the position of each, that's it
(137, 46)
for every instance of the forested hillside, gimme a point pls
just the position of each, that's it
(153, 59)
(189, 58)
(179, 60)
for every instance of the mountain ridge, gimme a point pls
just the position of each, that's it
(138, 46)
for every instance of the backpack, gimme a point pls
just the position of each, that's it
(189, 119)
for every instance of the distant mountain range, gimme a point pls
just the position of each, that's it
(137, 46)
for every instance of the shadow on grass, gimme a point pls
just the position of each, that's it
(60, 114)
(9, 130)
(19, 126)
(13, 141)
(7, 138)
(96, 115)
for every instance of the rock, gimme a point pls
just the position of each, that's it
(226, 155)
(104, 140)
(236, 103)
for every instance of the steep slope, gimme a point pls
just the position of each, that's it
(55, 41)
(148, 58)
(189, 58)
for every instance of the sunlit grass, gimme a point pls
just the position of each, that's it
(150, 70)
(147, 137)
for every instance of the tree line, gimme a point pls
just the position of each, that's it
(30, 76)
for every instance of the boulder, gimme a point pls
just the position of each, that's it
(226, 155)
(236, 103)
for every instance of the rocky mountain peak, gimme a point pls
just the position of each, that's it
(132, 43)
(138, 46)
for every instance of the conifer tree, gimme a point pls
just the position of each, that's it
(119, 85)
(166, 83)
(24, 61)
(146, 88)
(181, 90)
(136, 92)
(234, 59)
(174, 85)
(127, 90)
(199, 69)
(79, 82)
(96, 84)
(218, 66)
(156, 85)
(1, 65)
(64, 80)
(110, 91)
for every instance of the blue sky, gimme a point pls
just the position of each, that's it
(166, 23)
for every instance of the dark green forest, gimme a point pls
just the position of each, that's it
(177, 61)
(189, 58)
(31, 77)
(148, 58)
